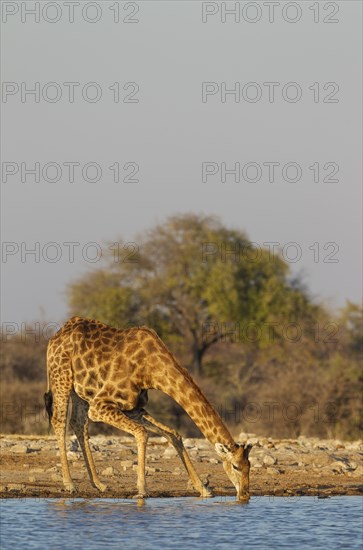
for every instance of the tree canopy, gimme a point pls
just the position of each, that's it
(196, 280)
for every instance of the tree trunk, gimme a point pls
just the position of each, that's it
(198, 353)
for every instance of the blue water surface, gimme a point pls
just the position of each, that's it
(182, 523)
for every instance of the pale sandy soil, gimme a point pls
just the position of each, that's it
(30, 467)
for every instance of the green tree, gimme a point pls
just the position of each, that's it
(193, 279)
(103, 295)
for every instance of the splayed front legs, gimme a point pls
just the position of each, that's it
(135, 422)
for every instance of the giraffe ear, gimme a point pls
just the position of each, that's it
(222, 450)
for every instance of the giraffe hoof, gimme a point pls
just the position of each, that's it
(206, 493)
(69, 487)
(141, 496)
(101, 487)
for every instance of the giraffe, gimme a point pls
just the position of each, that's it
(106, 372)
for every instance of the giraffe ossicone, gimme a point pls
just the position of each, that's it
(106, 373)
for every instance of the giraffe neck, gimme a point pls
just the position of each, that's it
(178, 384)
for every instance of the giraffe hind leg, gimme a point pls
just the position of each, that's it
(79, 424)
(61, 393)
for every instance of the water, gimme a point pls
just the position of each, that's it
(182, 523)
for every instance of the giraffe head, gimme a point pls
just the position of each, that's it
(237, 467)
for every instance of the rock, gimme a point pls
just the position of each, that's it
(257, 465)
(204, 445)
(243, 436)
(214, 461)
(4, 443)
(32, 479)
(151, 470)
(20, 448)
(269, 460)
(255, 441)
(126, 464)
(355, 445)
(189, 443)
(125, 439)
(110, 471)
(338, 467)
(36, 470)
(272, 471)
(55, 477)
(322, 447)
(72, 455)
(352, 465)
(153, 457)
(255, 458)
(194, 453)
(170, 452)
(34, 449)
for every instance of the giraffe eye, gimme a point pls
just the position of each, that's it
(235, 467)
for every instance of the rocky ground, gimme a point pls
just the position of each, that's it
(30, 467)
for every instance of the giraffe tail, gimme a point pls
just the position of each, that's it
(48, 401)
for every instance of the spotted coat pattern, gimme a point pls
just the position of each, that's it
(107, 373)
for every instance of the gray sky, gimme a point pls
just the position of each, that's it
(170, 132)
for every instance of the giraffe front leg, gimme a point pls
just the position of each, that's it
(141, 439)
(110, 413)
(177, 442)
